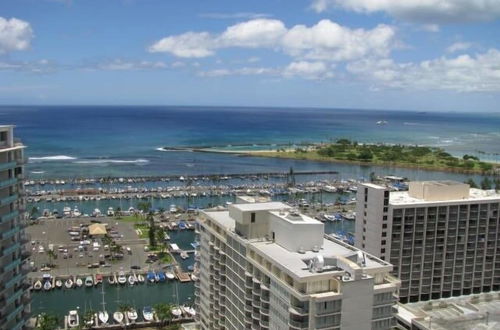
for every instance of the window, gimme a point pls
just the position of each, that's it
(384, 226)
(384, 241)
(3, 136)
(384, 234)
(384, 217)
(252, 217)
(382, 250)
(385, 209)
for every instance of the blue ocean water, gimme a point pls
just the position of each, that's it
(86, 141)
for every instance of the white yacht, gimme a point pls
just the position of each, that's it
(147, 313)
(132, 315)
(103, 317)
(73, 319)
(76, 212)
(111, 212)
(118, 317)
(122, 279)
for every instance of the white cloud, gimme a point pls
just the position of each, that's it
(458, 46)
(246, 71)
(189, 44)
(464, 73)
(325, 41)
(308, 70)
(330, 41)
(300, 69)
(240, 15)
(423, 11)
(15, 34)
(124, 65)
(40, 66)
(253, 33)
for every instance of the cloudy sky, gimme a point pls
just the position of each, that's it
(427, 55)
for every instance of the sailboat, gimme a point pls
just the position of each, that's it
(122, 279)
(47, 286)
(38, 285)
(140, 278)
(151, 276)
(59, 284)
(118, 317)
(131, 280)
(176, 311)
(103, 315)
(68, 283)
(147, 313)
(89, 281)
(132, 314)
(73, 319)
(79, 282)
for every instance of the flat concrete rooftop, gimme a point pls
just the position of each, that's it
(402, 197)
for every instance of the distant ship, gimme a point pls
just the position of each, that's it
(382, 122)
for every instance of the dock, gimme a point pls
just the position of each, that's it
(181, 276)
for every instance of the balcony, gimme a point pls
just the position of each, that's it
(7, 166)
(13, 281)
(15, 312)
(14, 297)
(8, 182)
(9, 199)
(9, 216)
(12, 265)
(11, 249)
(10, 233)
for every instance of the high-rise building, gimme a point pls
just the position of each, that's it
(441, 236)
(266, 266)
(14, 293)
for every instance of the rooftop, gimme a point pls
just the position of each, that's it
(402, 197)
(477, 311)
(261, 206)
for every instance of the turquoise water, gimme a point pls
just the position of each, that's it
(123, 141)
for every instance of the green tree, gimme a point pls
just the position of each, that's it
(33, 212)
(144, 207)
(51, 255)
(118, 212)
(471, 183)
(486, 183)
(152, 230)
(47, 322)
(163, 313)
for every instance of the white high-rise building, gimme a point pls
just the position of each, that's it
(14, 292)
(441, 236)
(265, 266)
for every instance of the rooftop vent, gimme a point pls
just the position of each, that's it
(317, 263)
(294, 215)
(315, 248)
(301, 250)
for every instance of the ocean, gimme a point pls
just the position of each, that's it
(99, 141)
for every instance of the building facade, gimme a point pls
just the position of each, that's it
(442, 237)
(14, 292)
(265, 266)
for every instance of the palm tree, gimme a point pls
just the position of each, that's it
(51, 256)
(163, 313)
(47, 322)
(118, 212)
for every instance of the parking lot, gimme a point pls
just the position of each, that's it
(80, 256)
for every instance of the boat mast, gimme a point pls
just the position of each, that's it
(103, 302)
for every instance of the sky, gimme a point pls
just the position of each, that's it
(425, 55)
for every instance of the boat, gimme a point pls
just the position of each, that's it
(161, 276)
(76, 212)
(38, 285)
(118, 317)
(140, 278)
(184, 255)
(157, 277)
(103, 317)
(147, 313)
(169, 275)
(67, 211)
(151, 276)
(189, 311)
(79, 282)
(98, 279)
(194, 278)
(110, 212)
(47, 286)
(132, 315)
(176, 312)
(111, 279)
(382, 122)
(73, 319)
(96, 213)
(173, 208)
(68, 283)
(122, 279)
(59, 284)
(89, 281)
(131, 280)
